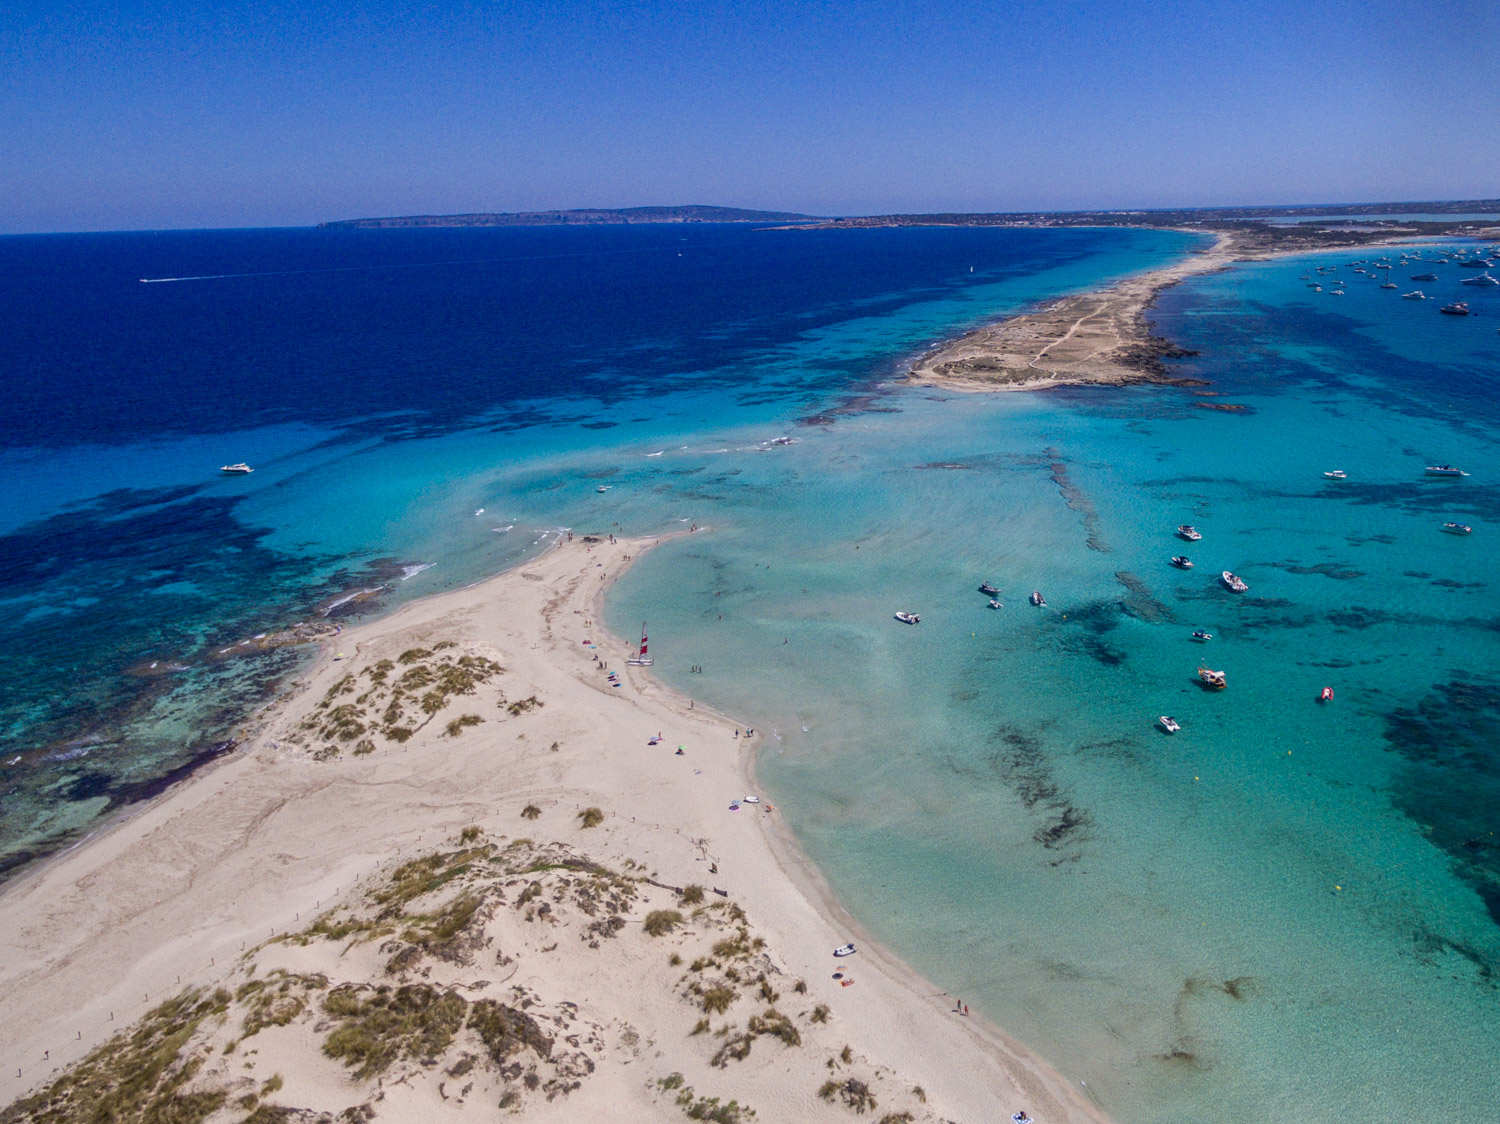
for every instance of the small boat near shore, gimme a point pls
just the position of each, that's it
(1189, 532)
(1182, 561)
(1213, 680)
(1037, 599)
(845, 950)
(908, 618)
(241, 469)
(641, 659)
(1458, 528)
(1444, 470)
(1233, 582)
(1168, 724)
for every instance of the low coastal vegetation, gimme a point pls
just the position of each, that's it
(403, 995)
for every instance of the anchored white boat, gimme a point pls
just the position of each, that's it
(1483, 279)
(995, 604)
(1037, 598)
(641, 659)
(1182, 561)
(1336, 474)
(1201, 636)
(908, 618)
(241, 469)
(1444, 470)
(1212, 679)
(1168, 724)
(1414, 295)
(845, 950)
(1234, 582)
(1458, 528)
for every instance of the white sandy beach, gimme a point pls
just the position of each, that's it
(274, 837)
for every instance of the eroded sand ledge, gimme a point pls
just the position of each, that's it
(276, 838)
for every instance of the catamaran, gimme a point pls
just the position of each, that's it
(641, 659)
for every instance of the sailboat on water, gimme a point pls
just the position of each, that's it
(641, 659)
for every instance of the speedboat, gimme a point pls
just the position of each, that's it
(987, 588)
(1168, 724)
(1201, 636)
(1457, 308)
(1337, 293)
(994, 604)
(1214, 680)
(1182, 561)
(1336, 474)
(1037, 598)
(602, 488)
(908, 618)
(1483, 279)
(1189, 532)
(1458, 528)
(1424, 276)
(1389, 285)
(1444, 470)
(1234, 582)
(241, 469)
(845, 950)
(1414, 295)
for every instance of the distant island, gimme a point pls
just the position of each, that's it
(584, 217)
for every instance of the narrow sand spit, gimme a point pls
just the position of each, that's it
(371, 835)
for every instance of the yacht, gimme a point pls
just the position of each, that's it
(1336, 474)
(1189, 532)
(1476, 263)
(1457, 308)
(1444, 470)
(1037, 599)
(1414, 295)
(1233, 582)
(1201, 636)
(1182, 562)
(1168, 724)
(1214, 680)
(1424, 276)
(1483, 279)
(1389, 285)
(1336, 293)
(908, 618)
(1458, 528)
(241, 469)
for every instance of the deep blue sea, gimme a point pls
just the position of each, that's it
(1287, 908)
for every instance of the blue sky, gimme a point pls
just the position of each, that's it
(118, 115)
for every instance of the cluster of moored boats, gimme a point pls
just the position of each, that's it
(1372, 269)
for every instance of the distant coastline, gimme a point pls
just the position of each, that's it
(602, 216)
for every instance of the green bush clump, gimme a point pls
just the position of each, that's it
(660, 922)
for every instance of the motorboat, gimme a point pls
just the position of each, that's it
(241, 469)
(1037, 599)
(1457, 308)
(1389, 285)
(1234, 582)
(845, 950)
(908, 618)
(1201, 636)
(1189, 532)
(1168, 724)
(1317, 288)
(1476, 263)
(1483, 279)
(995, 604)
(1337, 293)
(1458, 528)
(1182, 561)
(1336, 474)
(1382, 265)
(1414, 295)
(988, 589)
(641, 659)
(602, 488)
(1214, 680)
(1325, 695)
(1444, 470)
(1424, 277)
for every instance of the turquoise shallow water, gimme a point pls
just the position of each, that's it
(1288, 907)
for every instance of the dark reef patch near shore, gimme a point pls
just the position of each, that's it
(1450, 782)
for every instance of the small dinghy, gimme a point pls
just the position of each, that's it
(987, 589)
(1189, 532)
(751, 800)
(845, 950)
(1325, 695)
(1233, 582)
(1336, 474)
(1037, 599)
(994, 604)
(908, 618)
(1214, 680)
(1182, 562)
(1202, 637)
(1168, 724)
(1458, 528)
